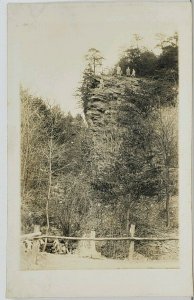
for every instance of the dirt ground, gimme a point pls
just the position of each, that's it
(46, 261)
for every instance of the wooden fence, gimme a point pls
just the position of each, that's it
(91, 250)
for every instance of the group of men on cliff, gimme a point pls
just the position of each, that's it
(128, 72)
(119, 73)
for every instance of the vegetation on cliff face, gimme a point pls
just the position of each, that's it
(119, 166)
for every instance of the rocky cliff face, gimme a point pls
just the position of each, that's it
(110, 103)
(102, 114)
(105, 101)
(104, 108)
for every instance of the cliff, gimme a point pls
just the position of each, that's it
(105, 100)
(102, 113)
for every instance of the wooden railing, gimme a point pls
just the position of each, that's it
(92, 239)
(129, 238)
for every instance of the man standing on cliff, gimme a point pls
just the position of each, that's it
(128, 72)
(133, 73)
(119, 72)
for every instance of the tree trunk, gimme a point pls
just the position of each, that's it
(49, 190)
(26, 156)
(167, 198)
(167, 209)
(132, 243)
(127, 206)
(127, 221)
(66, 230)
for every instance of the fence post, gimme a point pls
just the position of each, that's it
(36, 245)
(132, 243)
(93, 243)
(36, 228)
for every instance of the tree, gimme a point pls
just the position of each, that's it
(130, 59)
(33, 181)
(89, 82)
(70, 202)
(94, 59)
(31, 122)
(142, 60)
(63, 159)
(166, 142)
(167, 64)
(137, 168)
(136, 39)
(53, 147)
(165, 41)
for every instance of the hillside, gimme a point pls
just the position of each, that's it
(104, 110)
(116, 168)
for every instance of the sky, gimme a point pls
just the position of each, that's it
(47, 42)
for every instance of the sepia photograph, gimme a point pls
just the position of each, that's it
(98, 111)
(99, 144)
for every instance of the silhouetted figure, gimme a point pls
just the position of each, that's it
(119, 71)
(128, 71)
(133, 73)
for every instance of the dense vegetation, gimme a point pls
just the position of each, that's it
(65, 190)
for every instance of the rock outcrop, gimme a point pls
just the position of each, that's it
(105, 100)
(103, 111)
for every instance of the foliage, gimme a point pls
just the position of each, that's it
(94, 59)
(53, 149)
(142, 60)
(89, 82)
(168, 59)
(163, 67)
(75, 178)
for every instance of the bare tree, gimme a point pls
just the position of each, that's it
(167, 143)
(137, 38)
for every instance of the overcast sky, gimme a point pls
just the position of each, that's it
(49, 41)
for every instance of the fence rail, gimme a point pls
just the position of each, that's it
(87, 245)
(105, 238)
(30, 236)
